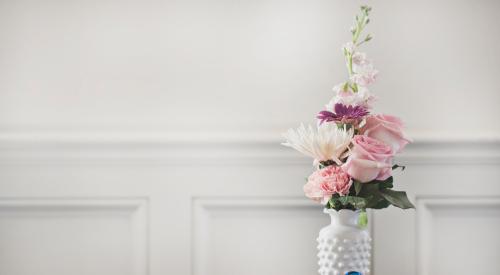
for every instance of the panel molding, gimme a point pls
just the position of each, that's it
(425, 206)
(138, 208)
(183, 149)
(202, 206)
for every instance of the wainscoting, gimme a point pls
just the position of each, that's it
(142, 137)
(59, 235)
(160, 206)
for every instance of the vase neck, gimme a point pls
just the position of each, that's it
(343, 217)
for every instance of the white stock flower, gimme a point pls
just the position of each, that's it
(322, 142)
(362, 98)
(359, 59)
(364, 73)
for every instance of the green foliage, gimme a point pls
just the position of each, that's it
(357, 186)
(356, 202)
(363, 219)
(386, 184)
(375, 194)
(396, 166)
(346, 202)
(360, 23)
(326, 163)
(397, 198)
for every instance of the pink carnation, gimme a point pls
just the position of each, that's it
(323, 183)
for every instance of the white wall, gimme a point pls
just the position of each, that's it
(150, 120)
(233, 66)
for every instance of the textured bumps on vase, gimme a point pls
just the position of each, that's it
(344, 246)
(339, 256)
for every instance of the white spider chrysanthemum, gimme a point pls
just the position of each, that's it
(324, 142)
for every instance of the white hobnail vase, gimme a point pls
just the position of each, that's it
(343, 245)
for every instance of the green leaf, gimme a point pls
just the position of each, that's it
(373, 198)
(356, 202)
(397, 198)
(396, 166)
(334, 203)
(369, 189)
(358, 186)
(378, 184)
(380, 204)
(346, 85)
(326, 163)
(376, 201)
(363, 219)
(386, 184)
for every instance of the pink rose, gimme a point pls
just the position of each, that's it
(370, 159)
(388, 129)
(323, 183)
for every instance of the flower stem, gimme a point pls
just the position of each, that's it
(361, 22)
(349, 64)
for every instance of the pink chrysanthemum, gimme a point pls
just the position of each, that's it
(343, 114)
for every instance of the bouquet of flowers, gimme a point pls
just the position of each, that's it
(352, 148)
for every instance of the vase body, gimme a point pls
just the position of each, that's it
(343, 246)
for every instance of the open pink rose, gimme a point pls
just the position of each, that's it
(323, 183)
(370, 159)
(388, 129)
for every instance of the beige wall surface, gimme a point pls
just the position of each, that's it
(246, 67)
